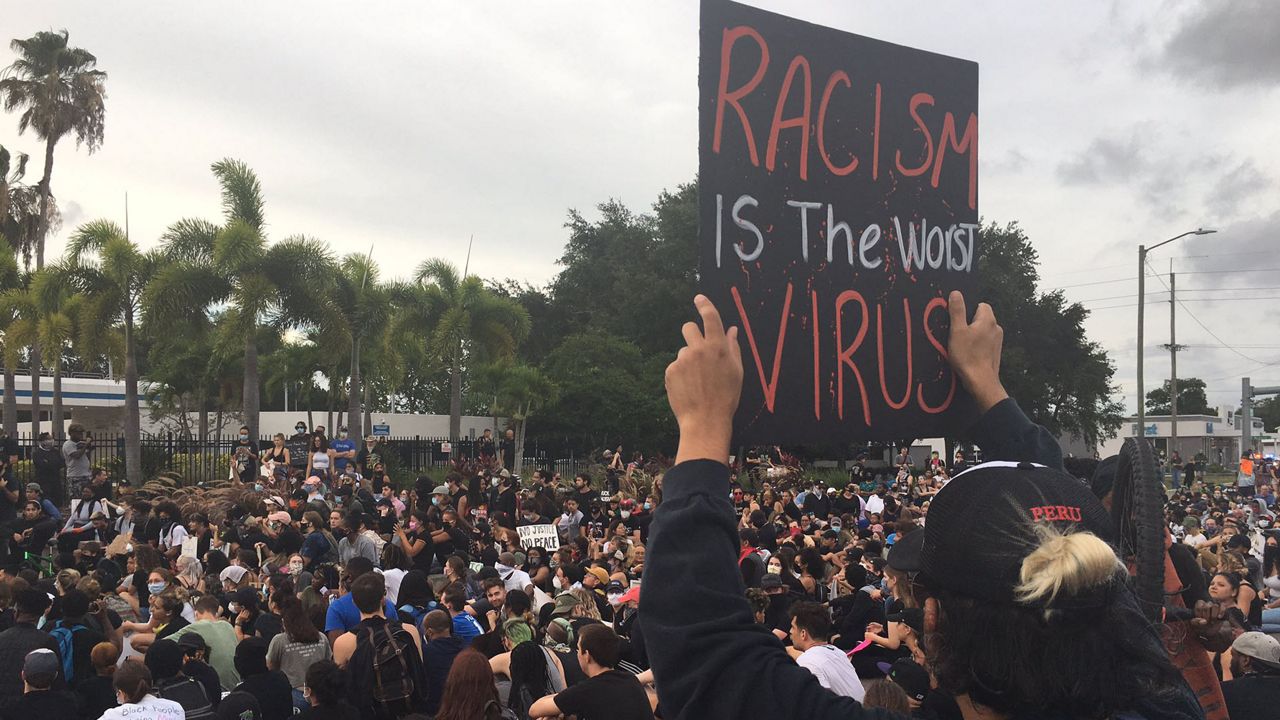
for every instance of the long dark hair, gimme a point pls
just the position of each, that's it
(469, 688)
(1270, 560)
(1090, 662)
(529, 680)
(297, 626)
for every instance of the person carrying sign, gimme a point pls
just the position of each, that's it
(1002, 585)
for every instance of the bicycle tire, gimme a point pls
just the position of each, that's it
(1137, 509)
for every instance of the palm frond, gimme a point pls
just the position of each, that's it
(90, 238)
(190, 239)
(241, 193)
(440, 272)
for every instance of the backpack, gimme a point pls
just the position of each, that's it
(390, 684)
(65, 637)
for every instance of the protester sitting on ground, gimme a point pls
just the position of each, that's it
(608, 693)
(270, 687)
(297, 648)
(132, 682)
(326, 688)
(999, 589)
(40, 698)
(219, 637)
(96, 693)
(164, 659)
(382, 688)
(343, 614)
(438, 653)
(1254, 690)
(811, 642)
(195, 665)
(470, 692)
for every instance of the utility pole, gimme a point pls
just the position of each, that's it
(1173, 348)
(1142, 293)
(1247, 393)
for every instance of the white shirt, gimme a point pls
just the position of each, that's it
(150, 708)
(831, 666)
(1195, 541)
(875, 504)
(513, 578)
(173, 538)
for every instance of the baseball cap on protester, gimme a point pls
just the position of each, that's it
(564, 605)
(986, 521)
(911, 617)
(906, 674)
(192, 642)
(40, 667)
(770, 580)
(1259, 647)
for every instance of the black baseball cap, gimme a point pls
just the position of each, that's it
(904, 556)
(985, 522)
(913, 679)
(911, 617)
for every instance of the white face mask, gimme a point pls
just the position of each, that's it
(625, 514)
(233, 608)
(775, 569)
(555, 582)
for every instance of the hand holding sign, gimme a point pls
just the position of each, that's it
(974, 351)
(704, 384)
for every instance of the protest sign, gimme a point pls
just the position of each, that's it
(543, 536)
(838, 207)
(190, 547)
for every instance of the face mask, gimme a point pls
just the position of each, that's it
(555, 581)
(46, 444)
(244, 436)
(529, 518)
(300, 429)
(648, 506)
(625, 514)
(435, 500)
(369, 445)
(257, 487)
(615, 598)
(835, 526)
(343, 434)
(155, 588)
(775, 569)
(413, 526)
(295, 568)
(233, 608)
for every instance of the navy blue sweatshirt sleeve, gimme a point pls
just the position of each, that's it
(710, 660)
(1005, 433)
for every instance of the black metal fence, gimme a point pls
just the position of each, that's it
(193, 461)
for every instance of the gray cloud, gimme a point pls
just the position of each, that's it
(1106, 160)
(1226, 44)
(1236, 186)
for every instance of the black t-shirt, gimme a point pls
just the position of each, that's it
(509, 454)
(611, 695)
(1252, 696)
(456, 497)
(596, 525)
(640, 521)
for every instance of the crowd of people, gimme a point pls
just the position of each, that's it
(926, 587)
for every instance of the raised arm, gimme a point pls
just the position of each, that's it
(1003, 431)
(708, 655)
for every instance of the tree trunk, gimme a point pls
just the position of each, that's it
(202, 427)
(56, 419)
(10, 403)
(354, 412)
(249, 403)
(42, 224)
(368, 412)
(521, 424)
(35, 389)
(455, 398)
(132, 414)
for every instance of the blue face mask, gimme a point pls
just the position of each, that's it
(155, 588)
(435, 500)
(648, 506)
(257, 487)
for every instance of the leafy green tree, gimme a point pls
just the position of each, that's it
(517, 392)
(44, 310)
(1062, 379)
(610, 392)
(463, 321)
(20, 206)
(263, 287)
(112, 274)
(1192, 399)
(1267, 410)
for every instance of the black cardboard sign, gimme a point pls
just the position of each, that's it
(838, 193)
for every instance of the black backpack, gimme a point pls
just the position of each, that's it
(384, 673)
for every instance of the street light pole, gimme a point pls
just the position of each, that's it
(1142, 287)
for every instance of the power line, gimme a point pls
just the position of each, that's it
(1236, 271)
(1204, 327)
(1190, 300)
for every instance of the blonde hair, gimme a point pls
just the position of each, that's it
(586, 603)
(1064, 564)
(66, 580)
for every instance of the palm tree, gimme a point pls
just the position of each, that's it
(20, 206)
(462, 321)
(361, 312)
(111, 274)
(517, 391)
(264, 289)
(9, 279)
(60, 91)
(42, 312)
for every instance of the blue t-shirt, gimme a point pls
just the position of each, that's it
(465, 627)
(341, 446)
(344, 615)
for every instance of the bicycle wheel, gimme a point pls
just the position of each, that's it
(1137, 508)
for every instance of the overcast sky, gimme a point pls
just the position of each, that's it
(411, 126)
